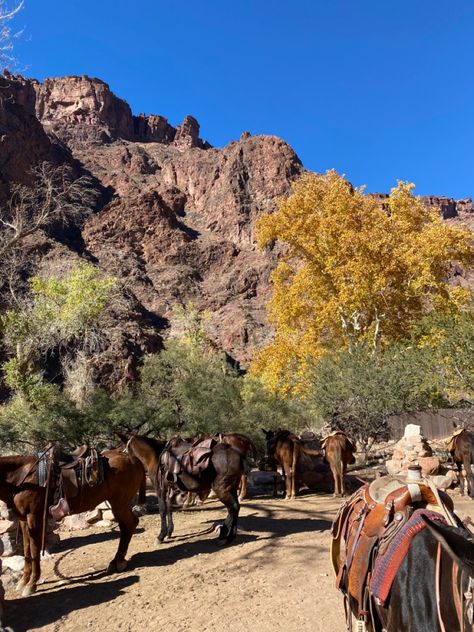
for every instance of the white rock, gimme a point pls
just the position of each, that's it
(108, 515)
(104, 505)
(15, 563)
(94, 515)
(105, 524)
(412, 430)
(75, 522)
(8, 545)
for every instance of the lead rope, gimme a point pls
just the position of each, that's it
(46, 500)
(438, 587)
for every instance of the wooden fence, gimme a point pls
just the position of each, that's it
(434, 424)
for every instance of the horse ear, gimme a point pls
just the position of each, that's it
(121, 436)
(455, 542)
(265, 432)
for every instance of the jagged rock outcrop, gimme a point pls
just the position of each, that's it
(84, 109)
(180, 226)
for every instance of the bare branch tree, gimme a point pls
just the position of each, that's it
(55, 196)
(7, 36)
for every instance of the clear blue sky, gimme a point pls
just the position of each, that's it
(378, 89)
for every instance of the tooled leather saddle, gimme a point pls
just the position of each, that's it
(72, 471)
(179, 456)
(376, 526)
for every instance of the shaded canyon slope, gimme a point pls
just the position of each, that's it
(176, 222)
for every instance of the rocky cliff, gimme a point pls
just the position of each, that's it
(179, 223)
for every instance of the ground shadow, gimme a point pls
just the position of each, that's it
(48, 607)
(86, 537)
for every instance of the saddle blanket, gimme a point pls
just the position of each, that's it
(387, 565)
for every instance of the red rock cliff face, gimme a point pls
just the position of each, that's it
(181, 225)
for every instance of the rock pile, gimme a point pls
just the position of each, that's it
(101, 516)
(413, 449)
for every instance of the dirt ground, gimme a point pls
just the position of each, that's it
(276, 577)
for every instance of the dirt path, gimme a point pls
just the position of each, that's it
(277, 577)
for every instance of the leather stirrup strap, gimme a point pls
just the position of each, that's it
(438, 587)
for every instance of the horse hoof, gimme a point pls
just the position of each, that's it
(28, 590)
(159, 540)
(21, 584)
(121, 566)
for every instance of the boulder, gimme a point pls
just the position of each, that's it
(15, 563)
(75, 522)
(430, 465)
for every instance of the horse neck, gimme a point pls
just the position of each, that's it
(147, 454)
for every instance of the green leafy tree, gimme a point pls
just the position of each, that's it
(359, 390)
(61, 311)
(188, 390)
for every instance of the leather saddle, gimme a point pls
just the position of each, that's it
(83, 467)
(368, 523)
(179, 457)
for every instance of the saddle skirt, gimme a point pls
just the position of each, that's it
(193, 460)
(376, 526)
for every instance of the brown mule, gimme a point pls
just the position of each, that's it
(222, 474)
(242, 444)
(283, 448)
(20, 490)
(339, 453)
(461, 448)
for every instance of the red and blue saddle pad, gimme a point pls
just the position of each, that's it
(386, 566)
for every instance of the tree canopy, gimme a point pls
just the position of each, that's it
(352, 270)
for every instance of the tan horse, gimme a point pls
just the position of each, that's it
(123, 475)
(339, 453)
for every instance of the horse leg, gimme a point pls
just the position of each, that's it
(243, 487)
(27, 553)
(169, 514)
(127, 522)
(227, 494)
(337, 478)
(141, 500)
(34, 529)
(469, 476)
(275, 484)
(163, 496)
(461, 477)
(288, 476)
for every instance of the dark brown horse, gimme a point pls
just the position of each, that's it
(405, 567)
(222, 475)
(461, 448)
(20, 490)
(339, 453)
(242, 444)
(283, 448)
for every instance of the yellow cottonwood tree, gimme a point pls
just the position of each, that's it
(353, 270)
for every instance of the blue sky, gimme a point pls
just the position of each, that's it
(379, 90)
